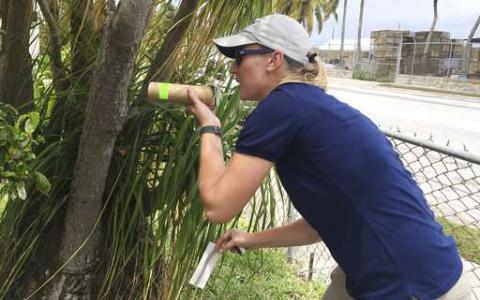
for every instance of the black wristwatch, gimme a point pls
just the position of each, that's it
(211, 129)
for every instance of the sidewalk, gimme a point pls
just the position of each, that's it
(430, 89)
(365, 83)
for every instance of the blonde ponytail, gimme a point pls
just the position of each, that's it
(312, 72)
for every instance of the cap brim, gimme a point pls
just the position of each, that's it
(228, 44)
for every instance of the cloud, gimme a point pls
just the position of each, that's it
(413, 15)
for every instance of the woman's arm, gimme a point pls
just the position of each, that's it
(297, 233)
(224, 190)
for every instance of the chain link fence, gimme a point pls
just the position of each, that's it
(404, 57)
(450, 180)
(450, 59)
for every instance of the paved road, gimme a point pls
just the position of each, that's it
(446, 117)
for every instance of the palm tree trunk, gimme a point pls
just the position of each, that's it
(343, 32)
(106, 112)
(468, 47)
(358, 49)
(16, 73)
(426, 49)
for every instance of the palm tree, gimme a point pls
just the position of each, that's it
(358, 48)
(305, 10)
(123, 208)
(429, 36)
(342, 41)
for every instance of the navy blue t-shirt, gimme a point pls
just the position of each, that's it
(345, 179)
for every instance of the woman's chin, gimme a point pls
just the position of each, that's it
(247, 97)
(243, 96)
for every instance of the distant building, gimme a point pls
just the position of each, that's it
(398, 51)
(330, 50)
(387, 52)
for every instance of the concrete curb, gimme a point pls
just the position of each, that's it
(429, 89)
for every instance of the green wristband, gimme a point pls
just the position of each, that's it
(163, 90)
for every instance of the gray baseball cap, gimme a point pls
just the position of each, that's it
(275, 32)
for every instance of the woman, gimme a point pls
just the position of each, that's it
(338, 169)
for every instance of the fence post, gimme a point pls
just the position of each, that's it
(399, 55)
(413, 57)
(450, 54)
(468, 45)
(290, 250)
(310, 266)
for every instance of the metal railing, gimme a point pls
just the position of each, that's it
(451, 182)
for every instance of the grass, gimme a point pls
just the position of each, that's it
(258, 274)
(267, 275)
(369, 76)
(467, 238)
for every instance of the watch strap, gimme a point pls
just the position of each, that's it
(211, 129)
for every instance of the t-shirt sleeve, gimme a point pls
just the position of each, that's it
(271, 128)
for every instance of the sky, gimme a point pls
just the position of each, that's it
(454, 16)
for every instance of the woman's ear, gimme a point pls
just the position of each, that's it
(275, 61)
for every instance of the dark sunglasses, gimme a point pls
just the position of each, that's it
(241, 52)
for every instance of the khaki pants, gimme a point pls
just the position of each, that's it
(337, 291)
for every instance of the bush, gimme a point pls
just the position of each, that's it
(16, 155)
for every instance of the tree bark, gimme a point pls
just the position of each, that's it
(16, 74)
(429, 36)
(4, 4)
(106, 112)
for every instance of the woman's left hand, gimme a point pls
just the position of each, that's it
(202, 112)
(233, 239)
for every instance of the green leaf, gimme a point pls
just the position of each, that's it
(21, 192)
(8, 114)
(20, 121)
(32, 122)
(42, 184)
(4, 133)
(9, 174)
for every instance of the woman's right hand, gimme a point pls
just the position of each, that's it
(234, 239)
(203, 113)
